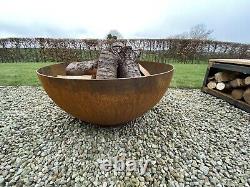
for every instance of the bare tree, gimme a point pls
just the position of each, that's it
(198, 32)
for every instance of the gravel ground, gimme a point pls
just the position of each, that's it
(188, 139)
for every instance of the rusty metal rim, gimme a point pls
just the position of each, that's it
(49, 76)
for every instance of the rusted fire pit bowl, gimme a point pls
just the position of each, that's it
(106, 102)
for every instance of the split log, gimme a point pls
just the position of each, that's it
(236, 83)
(143, 70)
(82, 68)
(246, 95)
(76, 77)
(211, 84)
(247, 80)
(224, 76)
(237, 93)
(222, 86)
(128, 65)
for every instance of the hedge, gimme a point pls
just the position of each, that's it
(67, 50)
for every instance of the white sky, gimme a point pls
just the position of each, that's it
(230, 19)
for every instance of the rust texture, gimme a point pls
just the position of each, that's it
(107, 102)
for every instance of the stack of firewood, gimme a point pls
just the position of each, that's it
(234, 83)
(115, 61)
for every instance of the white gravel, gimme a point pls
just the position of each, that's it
(190, 138)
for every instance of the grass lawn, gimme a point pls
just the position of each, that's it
(188, 75)
(15, 74)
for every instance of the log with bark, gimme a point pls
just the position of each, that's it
(115, 61)
(225, 76)
(82, 68)
(247, 80)
(107, 65)
(128, 65)
(222, 86)
(236, 83)
(237, 93)
(211, 84)
(246, 95)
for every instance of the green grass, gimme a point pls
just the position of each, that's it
(188, 75)
(16, 74)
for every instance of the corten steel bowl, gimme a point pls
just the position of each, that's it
(106, 102)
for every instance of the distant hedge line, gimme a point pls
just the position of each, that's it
(66, 50)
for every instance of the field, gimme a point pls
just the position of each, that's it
(17, 74)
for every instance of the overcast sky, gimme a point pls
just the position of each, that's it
(230, 19)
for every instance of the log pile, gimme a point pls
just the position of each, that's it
(233, 83)
(116, 61)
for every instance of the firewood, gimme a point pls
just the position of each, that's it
(107, 65)
(109, 60)
(115, 61)
(211, 84)
(224, 76)
(75, 77)
(246, 95)
(210, 78)
(247, 80)
(222, 86)
(237, 93)
(236, 83)
(128, 66)
(143, 70)
(82, 68)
